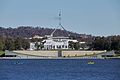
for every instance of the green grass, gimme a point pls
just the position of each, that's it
(2, 52)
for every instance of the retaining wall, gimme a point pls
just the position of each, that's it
(55, 53)
(79, 53)
(38, 53)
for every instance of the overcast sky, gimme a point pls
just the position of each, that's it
(96, 17)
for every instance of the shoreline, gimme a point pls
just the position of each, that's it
(56, 58)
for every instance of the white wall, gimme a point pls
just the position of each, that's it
(55, 53)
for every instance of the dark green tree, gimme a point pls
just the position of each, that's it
(25, 44)
(18, 43)
(2, 43)
(76, 46)
(37, 45)
(71, 44)
(9, 44)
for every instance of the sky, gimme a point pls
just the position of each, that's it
(95, 17)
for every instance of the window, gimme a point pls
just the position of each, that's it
(53, 47)
(59, 46)
(62, 46)
(65, 46)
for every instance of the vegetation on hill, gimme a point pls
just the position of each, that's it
(17, 39)
(27, 31)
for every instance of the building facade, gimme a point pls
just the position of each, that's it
(52, 43)
(56, 43)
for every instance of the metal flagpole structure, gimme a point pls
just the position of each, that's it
(60, 25)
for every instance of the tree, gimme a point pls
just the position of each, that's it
(18, 43)
(76, 46)
(25, 44)
(37, 45)
(9, 44)
(41, 46)
(2, 43)
(71, 44)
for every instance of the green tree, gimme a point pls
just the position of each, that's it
(18, 43)
(9, 44)
(71, 44)
(2, 43)
(25, 44)
(37, 45)
(76, 46)
(41, 45)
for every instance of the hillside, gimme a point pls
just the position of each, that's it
(28, 31)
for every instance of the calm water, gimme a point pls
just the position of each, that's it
(78, 69)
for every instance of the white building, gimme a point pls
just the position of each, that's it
(53, 43)
(38, 37)
(56, 43)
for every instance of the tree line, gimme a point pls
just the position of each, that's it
(29, 31)
(14, 44)
(99, 43)
(106, 43)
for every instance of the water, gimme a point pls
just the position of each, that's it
(66, 69)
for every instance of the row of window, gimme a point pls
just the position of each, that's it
(61, 46)
(57, 46)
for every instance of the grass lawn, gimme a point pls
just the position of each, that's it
(1, 53)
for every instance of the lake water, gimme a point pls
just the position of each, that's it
(60, 69)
